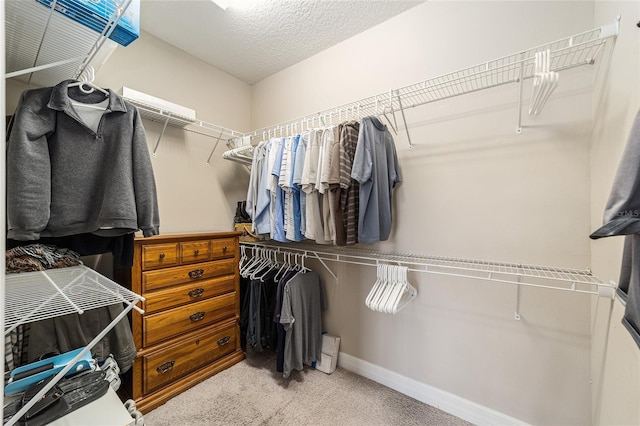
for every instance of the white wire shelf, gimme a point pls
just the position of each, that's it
(196, 126)
(199, 127)
(35, 296)
(44, 48)
(570, 52)
(555, 278)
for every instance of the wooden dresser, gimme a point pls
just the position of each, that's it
(189, 330)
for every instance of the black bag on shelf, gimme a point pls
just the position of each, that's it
(66, 396)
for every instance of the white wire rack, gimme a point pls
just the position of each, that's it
(195, 126)
(548, 277)
(35, 296)
(44, 48)
(570, 52)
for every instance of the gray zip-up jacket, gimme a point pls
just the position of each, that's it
(64, 178)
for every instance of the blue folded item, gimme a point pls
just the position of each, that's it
(96, 14)
(22, 377)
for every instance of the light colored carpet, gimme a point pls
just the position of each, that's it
(253, 393)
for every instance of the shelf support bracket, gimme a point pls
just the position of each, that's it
(313, 254)
(155, 148)
(516, 315)
(215, 146)
(384, 114)
(406, 128)
(521, 80)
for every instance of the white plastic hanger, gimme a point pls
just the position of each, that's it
(386, 288)
(392, 291)
(85, 84)
(551, 83)
(380, 270)
(544, 82)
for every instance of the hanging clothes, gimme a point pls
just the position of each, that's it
(309, 184)
(300, 198)
(331, 179)
(301, 318)
(82, 178)
(64, 178)
(262, 220)
(376, 168)
(254, 182)
(349, 187)
(622, 217)
(277, 194)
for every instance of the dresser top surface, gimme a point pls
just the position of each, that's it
(186, 237)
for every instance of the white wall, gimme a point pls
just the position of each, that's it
(472, 188)
(192, 197)
(615, 356)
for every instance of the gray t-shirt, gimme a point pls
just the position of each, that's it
(301, 317)
(375, 167)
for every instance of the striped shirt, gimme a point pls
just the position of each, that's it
(350, 188)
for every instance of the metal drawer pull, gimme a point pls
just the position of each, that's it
(196, 252)
(224, 340)
(196, 273)
(197, 316)
(196, 292)
(224, 249)
(166, 367)
(161, 255)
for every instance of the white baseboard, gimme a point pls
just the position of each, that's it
(445, 401)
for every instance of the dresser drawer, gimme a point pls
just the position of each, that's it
(224, 247)
(186, 293)
(159, 255)
(195, 251)
(181, 320)
(153, 280)
(174, 361)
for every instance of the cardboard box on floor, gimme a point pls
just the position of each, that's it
(329, 358)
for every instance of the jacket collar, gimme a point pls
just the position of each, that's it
(60, 99)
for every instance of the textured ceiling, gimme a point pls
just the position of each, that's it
(253, 39)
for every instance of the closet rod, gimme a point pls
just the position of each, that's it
(566, 279)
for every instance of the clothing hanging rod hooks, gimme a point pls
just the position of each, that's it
(510, 273)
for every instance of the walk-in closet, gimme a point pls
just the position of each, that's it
(313, 212)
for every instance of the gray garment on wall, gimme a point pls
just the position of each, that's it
(622, 217)
(376, 168)
(629, 285)
(66, 333)
(622, 213)
(301, 317)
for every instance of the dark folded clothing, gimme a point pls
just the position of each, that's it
(66, 396)
(39, 257)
